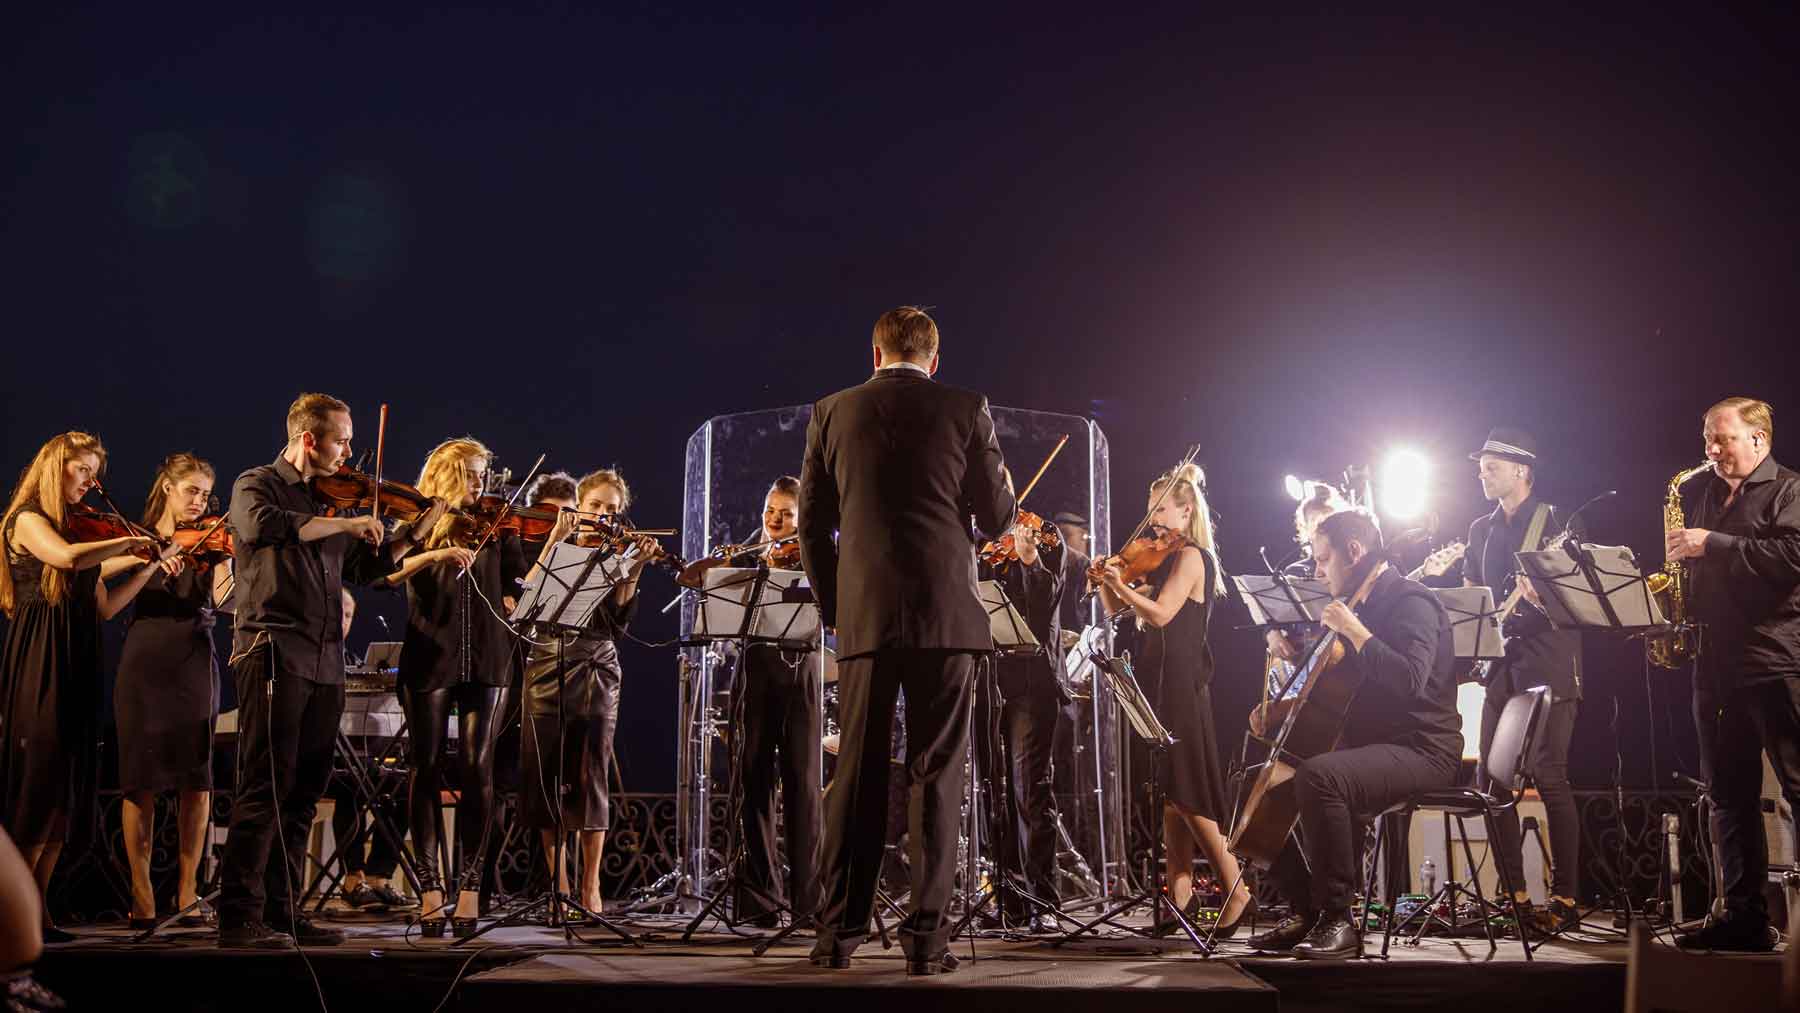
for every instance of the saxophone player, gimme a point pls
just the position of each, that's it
(1743, 554)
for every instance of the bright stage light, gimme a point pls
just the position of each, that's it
(1294, 487)
(1405, 482)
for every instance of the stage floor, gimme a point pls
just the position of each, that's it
(380, 967)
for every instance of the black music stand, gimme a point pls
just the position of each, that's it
(1598, 589)
(576, 581)
(1012, 638)
(784, 621)
(1147, 726)
(372, 782)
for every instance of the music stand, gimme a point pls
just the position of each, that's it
(1141, 716)
(752, 606)
(574, 584)
(1278, 600)
(1012, 638)
(1598, 589)
(1474, 622)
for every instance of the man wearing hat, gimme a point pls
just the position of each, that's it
(1536, 655)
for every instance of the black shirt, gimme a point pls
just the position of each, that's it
(289, 589)
(447, 613)
(1536, 654)
(1408, 695)
(1745, 589)
(1041, 592)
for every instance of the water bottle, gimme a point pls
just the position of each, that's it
(1428, 876)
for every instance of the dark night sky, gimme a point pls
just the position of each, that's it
(1298, 240)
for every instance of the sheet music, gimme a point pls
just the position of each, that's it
(1570, 601)
(785, 612)
(541, 599)
(1275, 602)
(1008, 627)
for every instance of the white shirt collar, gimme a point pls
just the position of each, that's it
(903, 364)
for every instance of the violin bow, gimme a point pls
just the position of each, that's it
(380, 446)
(130, 525)
(1042, 468)
(1156, 504)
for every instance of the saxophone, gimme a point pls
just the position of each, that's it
(1674, 649)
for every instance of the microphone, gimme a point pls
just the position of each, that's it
(1570, 545)
(1688, 782)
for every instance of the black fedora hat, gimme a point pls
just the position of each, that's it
(1508, 444)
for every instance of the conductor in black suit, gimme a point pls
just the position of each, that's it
(897, 467)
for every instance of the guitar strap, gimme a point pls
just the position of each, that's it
(1534, 532)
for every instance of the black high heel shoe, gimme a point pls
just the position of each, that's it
(1228, 929)
(468, 882)
(431, 923)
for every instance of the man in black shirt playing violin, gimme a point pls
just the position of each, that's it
(288, 662)
(1403, 735)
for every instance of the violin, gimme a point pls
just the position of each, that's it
(349, 489)
(534, 523)
(1003, 550)
(615, 536)
(781, 553)
(83, 523)
(1141, 556)
(207, 541)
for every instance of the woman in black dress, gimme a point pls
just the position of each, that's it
(167, 694)
(569, 721)
(1177, 661)
(457, 653)
(50, 664)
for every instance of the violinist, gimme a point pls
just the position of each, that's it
(50, 664)
(456, 654)
(1402, 736)
(288, 663)
(1173, 613)
(571, 705)
(1041, 575)
(782, 721)
(167, 693)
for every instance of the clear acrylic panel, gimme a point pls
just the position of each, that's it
(731, 461)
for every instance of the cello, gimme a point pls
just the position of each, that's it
(1312, 712)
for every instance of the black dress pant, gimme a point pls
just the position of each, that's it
(938, 688)
(287, 733)
(1735, 728)
(1022, 737)
(1337, 791)
(781, 723)
(1548, 766)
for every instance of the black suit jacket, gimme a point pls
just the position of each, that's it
(897, 467)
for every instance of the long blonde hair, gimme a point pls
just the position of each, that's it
(442, 478)
(41, 485)
(1189, 482)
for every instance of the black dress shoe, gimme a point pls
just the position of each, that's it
(52, 935)
(1285, 935)
(831, 960)
(386, 896)
(310, 933)
(1733, 933)
(137, 924)
(253, 936)
(1334, 938)
(943, 963)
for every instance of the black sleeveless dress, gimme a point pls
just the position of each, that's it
(167, 691)
(1176, 669)
(49, 706)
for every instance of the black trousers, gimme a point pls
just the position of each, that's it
(1735, 729)
(1338, 792)
(938, 688)
(781, 723)
(287, 732)
(480, 709)
(1018, 731)
(1548, 766)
